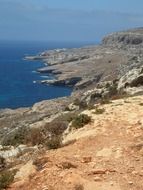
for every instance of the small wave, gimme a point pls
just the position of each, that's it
(44, 76)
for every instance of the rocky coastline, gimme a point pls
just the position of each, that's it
(97, 74)
(83, 69)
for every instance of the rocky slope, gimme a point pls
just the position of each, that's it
(105, 154)
(84, 67)
(129, 37)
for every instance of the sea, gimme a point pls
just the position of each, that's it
(17, 76)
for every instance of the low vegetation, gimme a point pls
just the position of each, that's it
(6, 178)
(2, 163)
(105, 101)
(16, 137)
(79, 187)
(80, 120)
(54, 132)
(55, 128)
(54, 142)
(81, 103)
(99, 111)
(49, 135)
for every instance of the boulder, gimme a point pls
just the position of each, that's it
(133, 78)
(10, 151)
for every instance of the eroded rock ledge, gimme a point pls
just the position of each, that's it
(82, 67)
(118, 53)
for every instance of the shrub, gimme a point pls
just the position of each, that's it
(66, 117)
(34, 137)
(99, 111)
(91, 107)
(113, 90)
(50, 134)
(56, 127)
(81, 103)
(54, 142)
(2, 163)
(24, 135)
(79, 187)
(15, 137)
(80, 121)
(6, 178)
(105, 101)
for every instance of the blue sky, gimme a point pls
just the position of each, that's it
(67, 20)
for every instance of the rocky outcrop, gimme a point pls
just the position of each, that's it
(131, 37)
(133, 78)
(65, 82)
(8, 152)
(79, 67)
(94, 64)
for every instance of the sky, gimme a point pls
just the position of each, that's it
(67, 20)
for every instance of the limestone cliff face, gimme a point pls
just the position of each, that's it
(129, 37)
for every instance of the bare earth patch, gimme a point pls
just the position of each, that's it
(107, 154)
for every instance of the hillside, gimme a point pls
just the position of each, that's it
(128, 37)
(90, 140)
(106, 154)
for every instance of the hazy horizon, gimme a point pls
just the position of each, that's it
(64, 21)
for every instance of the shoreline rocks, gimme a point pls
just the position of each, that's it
(87, 69)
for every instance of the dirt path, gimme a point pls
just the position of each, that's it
(107, 154)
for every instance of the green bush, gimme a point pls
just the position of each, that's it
(66, 117)
(54, 132)
(56, 127)
(80, 121)
(24, 135)
(99, 111)
(105, 101)
(54, 142)
(6, 178)
(81, 103)
(15, 137)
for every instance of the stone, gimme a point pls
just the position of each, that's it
(97, 178)
(130, 183)
(98, 172)
(86, 159)
(133, 78)
(67, 165)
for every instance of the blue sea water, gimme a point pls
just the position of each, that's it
(17, 75)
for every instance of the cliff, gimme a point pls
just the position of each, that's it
(104, 154)
(83, 68)
(129, 37)
(90, 140)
